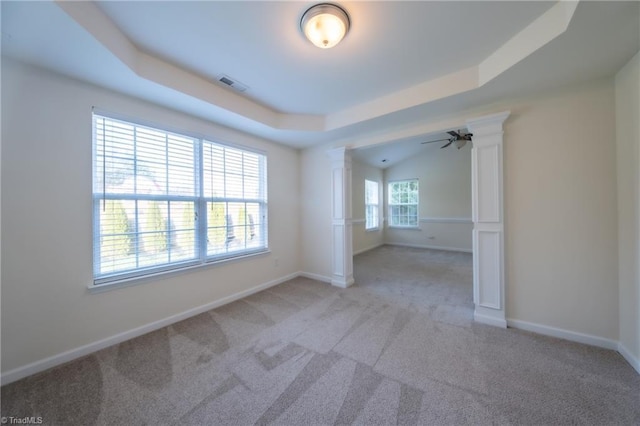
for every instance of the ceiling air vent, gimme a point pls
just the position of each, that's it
(231, 82)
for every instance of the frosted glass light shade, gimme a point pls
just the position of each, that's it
(325, 25)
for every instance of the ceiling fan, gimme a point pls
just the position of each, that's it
(458, 138)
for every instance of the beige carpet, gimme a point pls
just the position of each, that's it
(397, 348)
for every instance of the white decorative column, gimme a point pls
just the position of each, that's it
(488, 219)
(342, 245)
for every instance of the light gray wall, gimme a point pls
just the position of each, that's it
(47, 211)
(315, 212)
(560, 211)
(444, 182)
(627, 90)
(362, 239)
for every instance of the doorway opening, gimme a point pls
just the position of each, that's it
(487, 217)
(420, 252)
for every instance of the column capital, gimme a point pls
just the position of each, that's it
(341, 155)
(488, 124)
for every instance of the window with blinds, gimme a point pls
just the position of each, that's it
(403, 203)
(371, 204)
(163, 201)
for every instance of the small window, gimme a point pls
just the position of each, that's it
(164, 201)
(371, 197)
(403, 203)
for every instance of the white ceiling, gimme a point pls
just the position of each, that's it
(259, 44)
(402, 65)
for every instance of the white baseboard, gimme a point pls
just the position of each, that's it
(422, 246)
(333, 282)
(343, 283)
(367, 249)
(634, 361)
(564, 334)
(489, 320)
(316, 277)
(55, 360)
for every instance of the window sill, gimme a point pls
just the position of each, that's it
(406, 228)
(377, 229)
(132, 281)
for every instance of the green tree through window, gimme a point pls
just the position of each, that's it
(155, 229)
(116, 239)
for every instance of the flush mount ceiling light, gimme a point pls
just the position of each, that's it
(325, 25)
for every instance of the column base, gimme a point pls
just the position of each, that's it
(490, 317)
(341, 282)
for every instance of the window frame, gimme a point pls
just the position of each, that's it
(390, 205)
(375, 226)
(201, 257)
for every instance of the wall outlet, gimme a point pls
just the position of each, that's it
(276, 262)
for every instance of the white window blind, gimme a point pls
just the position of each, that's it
(371, 197)
(235, 200)
(164, 200)
(403, 203)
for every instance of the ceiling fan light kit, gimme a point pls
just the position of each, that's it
(325, 24)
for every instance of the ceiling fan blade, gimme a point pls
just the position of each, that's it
(439, 140)
(447, 144)
(454, 134)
